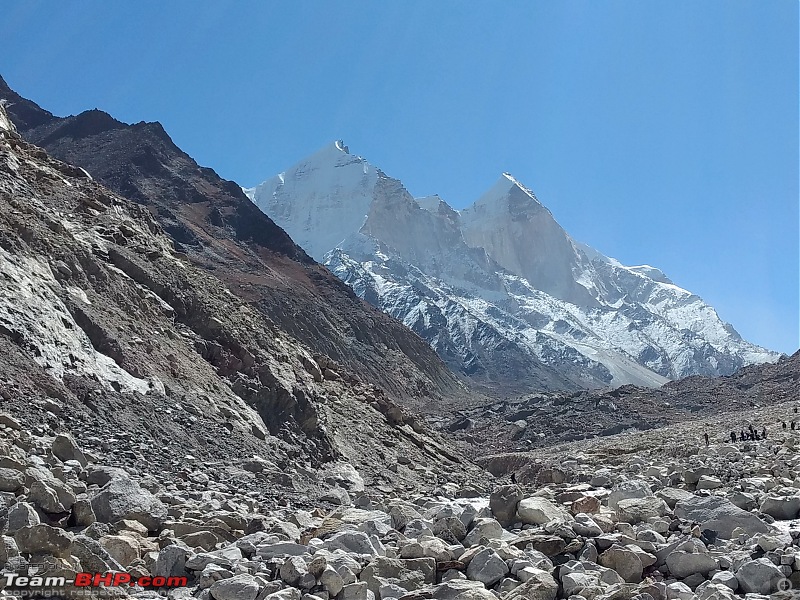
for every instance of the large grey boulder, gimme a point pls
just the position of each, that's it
(353, 591)
(682, 564)
(8, 549)
(743, 500)
(402, 514)
(65, 448)
(429, 547)
(331, 580)
(503, 503)
(781, 507)
(487, 567)
(53, 496)
(636, 510)
(284, 594)
(461, 589)
(171, 561)
(707, 482)
(240, 587)
(22, 514)
(538, 511)
(93, 556)
(408, 574)
(624, 490)
(483, 528)
(11, 480)
(123, 498)
(624, 561)
(726, 578)
(354, 541)
(449, 528)
(44, 539)
(693, 475)
(577, 582)
(292, 570)
(224, 557)
(759, 576)
(679, 591)
(673, 495)
(539, 586)
(710, 590)
(586, 526)
(719, 514)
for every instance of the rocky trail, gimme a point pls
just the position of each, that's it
(647, 515)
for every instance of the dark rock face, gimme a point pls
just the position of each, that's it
(26, 114)
(220, 230)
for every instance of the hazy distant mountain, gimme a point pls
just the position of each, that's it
(499, 289)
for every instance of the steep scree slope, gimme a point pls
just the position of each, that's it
(108, 333)
(219, 229)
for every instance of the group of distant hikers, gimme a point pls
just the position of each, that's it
(752, 434)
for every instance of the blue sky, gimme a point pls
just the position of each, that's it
(658, 132)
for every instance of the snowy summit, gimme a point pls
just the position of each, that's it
(499, 289)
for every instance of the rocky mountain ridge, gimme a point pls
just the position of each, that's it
(499, 290)
(542, 421)
(215, 226)
(110, 334)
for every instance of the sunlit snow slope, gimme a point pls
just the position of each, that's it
(499, 289)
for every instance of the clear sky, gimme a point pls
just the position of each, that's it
(663, 133)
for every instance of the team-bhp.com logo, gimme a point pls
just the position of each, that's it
(16, 584)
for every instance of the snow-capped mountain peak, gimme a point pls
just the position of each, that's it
(507, 194)
(333, 207)
(499, 289)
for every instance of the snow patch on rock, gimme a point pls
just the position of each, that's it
(32, 313)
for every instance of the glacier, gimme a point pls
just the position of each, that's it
(502, 293)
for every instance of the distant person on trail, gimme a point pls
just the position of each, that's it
(742, 436)
(733, 436)
(795, 409)
(764, 433)
(706, 436)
